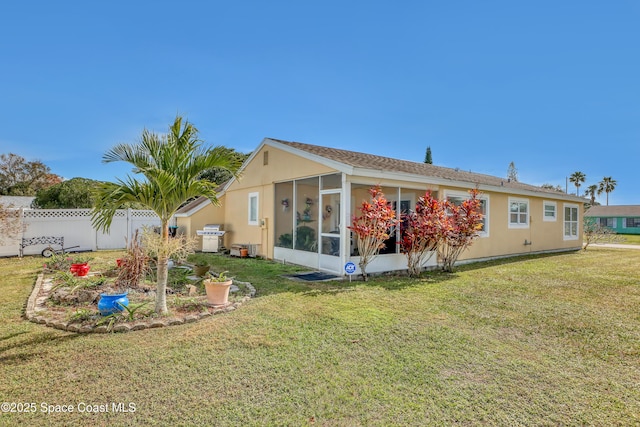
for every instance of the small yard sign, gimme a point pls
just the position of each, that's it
(349, 268)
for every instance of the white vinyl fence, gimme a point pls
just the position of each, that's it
(73, 228)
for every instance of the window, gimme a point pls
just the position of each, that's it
(518, 213)
(284, 213)
(253, 208)
(570, 222)
(549, 213)
(457, 199)
(329, 182)
(606, 222)
(633, 223)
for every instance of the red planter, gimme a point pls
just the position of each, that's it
(79, 269)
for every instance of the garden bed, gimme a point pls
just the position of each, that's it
(73, 307)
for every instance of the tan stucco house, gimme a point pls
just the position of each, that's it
(294, 202)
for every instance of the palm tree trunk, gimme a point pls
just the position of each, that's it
(162, 273)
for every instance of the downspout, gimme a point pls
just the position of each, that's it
(530, 242)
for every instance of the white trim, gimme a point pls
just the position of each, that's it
(546, 203)
(564, 221)
(432, 180)
(518, 224)
(255, 221)
(408, 177)
(338, 166)
(195, 209)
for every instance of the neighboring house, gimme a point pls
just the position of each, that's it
(621, 219)
(295, 202)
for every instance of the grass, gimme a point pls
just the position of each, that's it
(631, 239)
(542, 340)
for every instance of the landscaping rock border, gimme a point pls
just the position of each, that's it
(38, 298)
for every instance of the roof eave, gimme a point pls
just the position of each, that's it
(338, 166)
(198, 207)
(400, 176)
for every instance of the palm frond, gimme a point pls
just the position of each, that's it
(170, 164)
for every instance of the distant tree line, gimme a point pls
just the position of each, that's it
(19, 177)
(607, 185)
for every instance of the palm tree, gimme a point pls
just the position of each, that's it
(607, 185)
(577, 178)
(171, 165)
(591, 191)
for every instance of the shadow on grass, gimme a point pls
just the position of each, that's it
(510, 260)
(6, 337)
(38, 338)
(399, 281)
(268, 277)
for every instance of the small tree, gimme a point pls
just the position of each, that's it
(221, 175)
(372, 227)
(134, 265)
(427, 157)
(421, 232)
(460, 229)
(512, 172)
(595, 233)
(170, 166)
(11, 224)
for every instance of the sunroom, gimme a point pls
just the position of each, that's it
(312, 216)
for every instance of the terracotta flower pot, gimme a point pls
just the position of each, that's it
(244, 252)
(217, 292)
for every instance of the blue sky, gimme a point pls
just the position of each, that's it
(553, 86)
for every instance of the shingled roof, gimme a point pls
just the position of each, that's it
(388, 164)
(614, 211)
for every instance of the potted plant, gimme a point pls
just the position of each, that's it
(217, 288)
(80, 265)
(200, 268)
(112, 303)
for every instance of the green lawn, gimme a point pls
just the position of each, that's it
(547, 340)
(630, 239)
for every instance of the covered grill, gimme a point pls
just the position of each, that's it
(211, 237)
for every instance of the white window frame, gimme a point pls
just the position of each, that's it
(253, 220)
(544, 211)
(630, 224)
(466, 196)
(518, 224)
(564, 221)
(607, 219)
